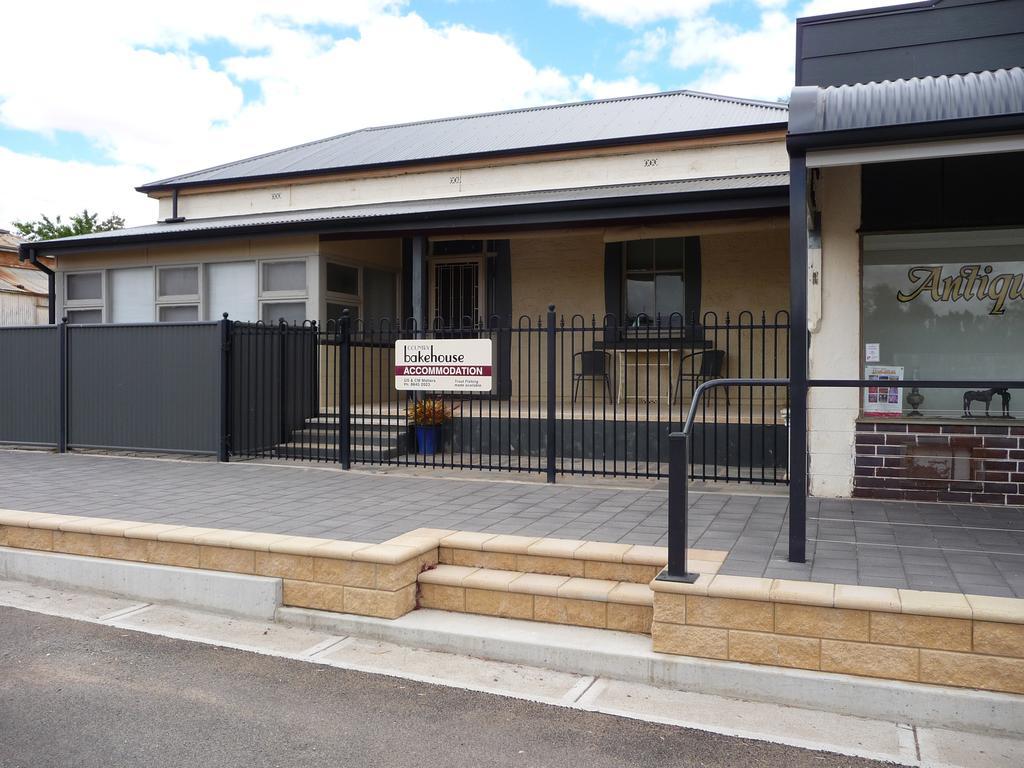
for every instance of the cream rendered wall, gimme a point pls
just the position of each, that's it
(745, 270)
(567, 271)
(629, 167)
(835, 343)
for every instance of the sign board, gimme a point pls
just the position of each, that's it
(443, 365)
(883, 400)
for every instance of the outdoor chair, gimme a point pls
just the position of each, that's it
(708, 365)
(593, 365)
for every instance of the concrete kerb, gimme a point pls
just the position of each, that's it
(215, 591)
(628, 657)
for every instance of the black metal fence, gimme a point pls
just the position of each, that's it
(570, 395)
(151, 387)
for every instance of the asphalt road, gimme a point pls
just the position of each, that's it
(79, 694)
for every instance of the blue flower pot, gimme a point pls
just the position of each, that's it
(427, 439)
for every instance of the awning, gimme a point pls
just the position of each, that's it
(725, 195)
(917, 109)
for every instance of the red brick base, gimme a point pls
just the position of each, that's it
(915, 460)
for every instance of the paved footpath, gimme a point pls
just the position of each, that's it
(945, 547)
(86, 695)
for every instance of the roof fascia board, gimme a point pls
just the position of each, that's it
(907, 132)
(166, 186)
(611, 210)
(889, 153)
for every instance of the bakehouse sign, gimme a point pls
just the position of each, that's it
(970, 282)
(443, 365)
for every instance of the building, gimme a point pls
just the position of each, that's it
(906, 139)
(658, 226)
(23, 289)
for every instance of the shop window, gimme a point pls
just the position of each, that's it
(945, 305)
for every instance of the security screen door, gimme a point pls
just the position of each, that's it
(457, 292)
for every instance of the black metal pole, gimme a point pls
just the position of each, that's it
(224, 449)
(798, 359)
(62, 374)
(678, 502)
(344, 392)
(551, 394)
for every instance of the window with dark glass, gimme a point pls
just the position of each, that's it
(654, 277)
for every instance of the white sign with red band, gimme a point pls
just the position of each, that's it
(443, 365)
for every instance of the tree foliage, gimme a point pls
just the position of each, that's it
(82, 223)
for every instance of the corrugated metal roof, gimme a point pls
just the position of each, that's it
(448, 205)
(907, 102)
(31, 281)
(9, 241)
(607, 120)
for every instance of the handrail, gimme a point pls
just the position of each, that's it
(678, 473)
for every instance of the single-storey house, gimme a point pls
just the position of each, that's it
(870, 232)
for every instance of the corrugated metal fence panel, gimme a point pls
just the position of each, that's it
(154, 387)
(29, 386)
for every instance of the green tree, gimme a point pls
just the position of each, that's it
(82, 223)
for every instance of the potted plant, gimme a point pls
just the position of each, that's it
(428, 416)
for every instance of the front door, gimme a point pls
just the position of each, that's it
(457, 291)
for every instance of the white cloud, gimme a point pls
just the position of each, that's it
(754, 62)
(638, 11)
(139, 90)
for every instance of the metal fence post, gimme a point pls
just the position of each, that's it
(678, 469)
(62, 374)
(551, 373)
(344, 392)
(224, 448)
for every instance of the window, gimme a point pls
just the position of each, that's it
(654, 279)
(284, 277)
(131, 295)
(290, 311)
(83, 297)
(365, 292)
(177, 294)
(83, 316)
(231, 288)
(283, 291)
(943, 305)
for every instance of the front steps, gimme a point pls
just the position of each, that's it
(596, 603)
(559, 581)
(375, 438)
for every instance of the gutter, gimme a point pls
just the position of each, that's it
(800, 141)
(573, 212)
(28, 252)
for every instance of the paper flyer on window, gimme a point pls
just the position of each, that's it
(883, 400)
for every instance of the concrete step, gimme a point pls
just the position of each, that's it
(329, 452)
(597, 603)
(383, 421)
(366, 436)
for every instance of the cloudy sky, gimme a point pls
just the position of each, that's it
(97, 98)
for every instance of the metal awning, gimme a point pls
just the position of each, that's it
(725, 195)
(916, 109)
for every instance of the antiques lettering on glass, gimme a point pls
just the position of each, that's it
(972, 281)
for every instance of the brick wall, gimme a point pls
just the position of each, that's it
(918, 461)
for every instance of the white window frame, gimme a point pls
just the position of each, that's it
(86, 304)
(184, 300)
(344, 299)
(281, 297)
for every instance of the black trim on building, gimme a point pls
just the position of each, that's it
(940, 37)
